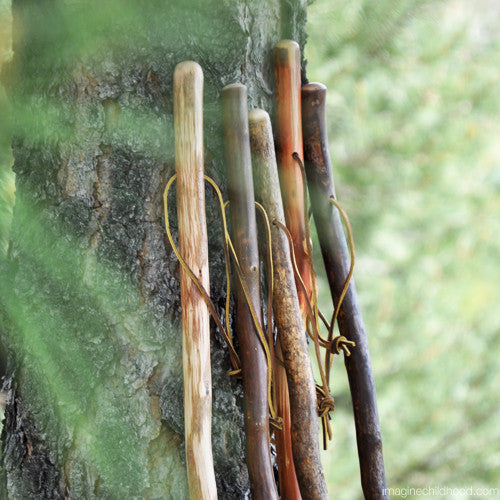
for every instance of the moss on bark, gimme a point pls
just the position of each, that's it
(95, 399)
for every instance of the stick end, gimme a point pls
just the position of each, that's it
(313, 96)
(235, 93)
(286, 52)
(258, 116)
(234, 88)
(188, 71)
(313, 87)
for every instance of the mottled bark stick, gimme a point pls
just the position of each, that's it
(244, 237)
(188, 124)
(336, 258)
(289, 486)
(288, 137)
(303, 402)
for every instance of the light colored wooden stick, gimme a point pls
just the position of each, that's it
(188, 125)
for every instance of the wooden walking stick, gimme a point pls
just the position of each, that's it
(254, 362)
(336, 258)
(303, 402)
(188, 125)
(288, 136)
(289, 486)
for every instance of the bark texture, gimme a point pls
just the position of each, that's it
(337, 260)
(288, 318)
(91, 292)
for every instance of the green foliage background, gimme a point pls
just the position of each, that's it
(413, 113)
(6, 177)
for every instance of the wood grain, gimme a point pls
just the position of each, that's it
(286, 308)
(337, 260)
(289, 486)
(288, 140)
(244, 236)
(188, 126)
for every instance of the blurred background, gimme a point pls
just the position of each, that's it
(413, 116)
(7, 188)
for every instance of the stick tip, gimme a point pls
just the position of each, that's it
(258, 115)
(313, 96)
(188, 68)
(286, 51)
(235, 92)
(234, 87)
(188, 75)
(290, 45)
(313, 87)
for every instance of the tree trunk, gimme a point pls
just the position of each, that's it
(90, 299)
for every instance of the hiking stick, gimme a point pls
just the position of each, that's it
(303, 402)
(336, 258)
(289, 486)
(188, 126)
(244, 235)
(288, 136)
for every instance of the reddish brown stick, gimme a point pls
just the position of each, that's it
(188, 124)
(336, 258)
(289, 486)
(288, 137)
(244, 236)
(303, 403)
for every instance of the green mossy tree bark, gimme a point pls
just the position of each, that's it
(95, 404)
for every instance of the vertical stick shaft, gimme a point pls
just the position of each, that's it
(303, 404)
(188, 124)
(288, 135)
(244, 236)
(289, 486)
(336, 258)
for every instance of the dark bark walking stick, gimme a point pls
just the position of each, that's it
(303, 402)
(336, 258)
(244, 235)
(188, 124)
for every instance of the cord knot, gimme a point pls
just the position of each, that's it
(326, 403)
(340, 343)
(325, 406)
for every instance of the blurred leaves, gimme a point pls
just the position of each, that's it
(413, 114)
(76, 325)
(7, 187)
(413, 121)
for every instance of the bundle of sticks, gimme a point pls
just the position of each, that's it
(269, 173)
